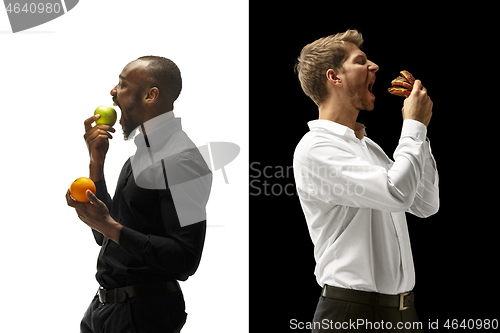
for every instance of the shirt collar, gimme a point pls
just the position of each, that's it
(337, 128)
(160, 128)
(157, 121)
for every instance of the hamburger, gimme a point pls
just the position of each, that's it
(402, 85)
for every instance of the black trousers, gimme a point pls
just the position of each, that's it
(339, 316)
(159, 314)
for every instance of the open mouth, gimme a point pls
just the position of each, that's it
(116, 104)
(370, 86)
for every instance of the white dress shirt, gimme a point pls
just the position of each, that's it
(354, 200)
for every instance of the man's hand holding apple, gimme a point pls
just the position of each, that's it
(97, 140)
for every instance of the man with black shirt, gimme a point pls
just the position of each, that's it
(152, 232)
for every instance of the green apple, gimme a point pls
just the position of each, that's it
(108, 115)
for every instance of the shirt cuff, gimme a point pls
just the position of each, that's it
(132, 241)
(414, 128)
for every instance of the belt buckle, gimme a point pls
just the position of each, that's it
(102, 295)
(402, 301)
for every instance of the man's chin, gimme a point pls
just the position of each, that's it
(369, 103)
(370, 108)
(129, 128)
(130, 135)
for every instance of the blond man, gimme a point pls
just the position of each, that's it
(354, 197)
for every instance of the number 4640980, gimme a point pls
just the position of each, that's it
(33, 8)
(471, 324)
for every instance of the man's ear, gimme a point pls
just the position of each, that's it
(332, 78)
(152, 94)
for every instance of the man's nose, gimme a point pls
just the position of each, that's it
(113, 91)
(373, 67)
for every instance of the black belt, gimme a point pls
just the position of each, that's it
(401, 301)
(119, 295)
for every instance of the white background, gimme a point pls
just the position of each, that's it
(52, 77)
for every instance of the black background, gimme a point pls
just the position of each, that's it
(452, 50)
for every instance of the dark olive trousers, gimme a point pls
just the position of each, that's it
(341, 316)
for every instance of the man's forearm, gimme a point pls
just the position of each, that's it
(96, 171)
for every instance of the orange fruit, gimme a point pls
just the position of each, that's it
(79, 187)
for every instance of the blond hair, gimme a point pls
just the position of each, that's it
(319, 56)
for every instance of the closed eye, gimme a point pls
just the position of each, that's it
(120, 80)
(360, 59)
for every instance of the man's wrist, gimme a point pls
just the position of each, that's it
(113, 231)
(96, 171)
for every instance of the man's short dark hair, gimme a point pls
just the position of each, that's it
(164, 74)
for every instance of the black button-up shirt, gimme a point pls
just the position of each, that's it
(154, 246)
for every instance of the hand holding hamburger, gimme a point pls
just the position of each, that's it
(417, 105)
(403, 84)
